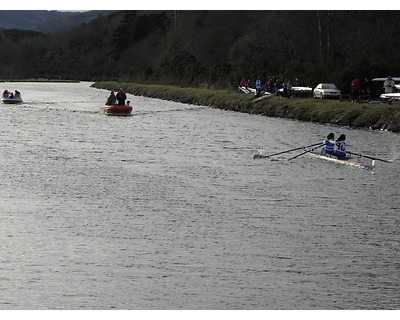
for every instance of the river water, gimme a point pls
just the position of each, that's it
(167, 209)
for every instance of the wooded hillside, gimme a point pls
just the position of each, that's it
(210, 48)
(47, 21)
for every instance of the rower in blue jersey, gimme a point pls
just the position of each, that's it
(340, 150)
(329, 144)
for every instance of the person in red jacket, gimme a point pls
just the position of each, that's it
(355, 89)
(121, 97)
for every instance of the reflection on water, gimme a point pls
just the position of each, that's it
(168, 210)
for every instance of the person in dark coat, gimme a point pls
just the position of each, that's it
(111, 99)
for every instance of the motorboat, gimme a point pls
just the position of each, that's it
(11, 98)
(117, 110)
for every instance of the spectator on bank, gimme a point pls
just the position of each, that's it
(259, 87)
(296, 83)
(366, 87)
(289, 89)
(271, 85)
(243, 83)
(277, 86)
(285, 89)
(355, 89)
(389, 85)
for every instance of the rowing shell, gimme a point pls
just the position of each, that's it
(264, 96)
(347, 161)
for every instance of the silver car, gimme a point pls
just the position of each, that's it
(326, 90)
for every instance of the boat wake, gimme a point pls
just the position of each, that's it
(169, 110)
(51, 107)
(396, 158)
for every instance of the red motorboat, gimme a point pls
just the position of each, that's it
(117, 110)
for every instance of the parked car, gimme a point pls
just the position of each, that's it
(326, 90)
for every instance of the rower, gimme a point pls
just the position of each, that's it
(329, 144)
(341, 146)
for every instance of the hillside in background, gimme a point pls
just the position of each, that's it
(46, 21)
(211, 48)
(26, 19)
(69, 20)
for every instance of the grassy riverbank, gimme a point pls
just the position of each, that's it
(356, 115)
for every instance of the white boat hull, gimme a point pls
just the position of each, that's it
(264, 96)
(346, 161)
(245, 90)
(394, 96)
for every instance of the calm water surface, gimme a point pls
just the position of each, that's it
(168, 210)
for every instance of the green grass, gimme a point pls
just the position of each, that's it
(359, 115)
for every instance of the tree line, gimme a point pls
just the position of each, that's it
(211, 48)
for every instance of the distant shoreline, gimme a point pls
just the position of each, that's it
(383, 117)
(39, 80)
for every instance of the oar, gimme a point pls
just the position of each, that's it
(275, 154)
(373, 158)
(306, 152)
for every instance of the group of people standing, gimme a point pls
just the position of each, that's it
(286, 85)
(113, 98)
(274, 85)
(337, 148)
(357, 89)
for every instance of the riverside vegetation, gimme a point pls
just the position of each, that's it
(356, 115)
(208, 48)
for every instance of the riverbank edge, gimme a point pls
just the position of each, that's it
(347, 114)
(40, 80)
